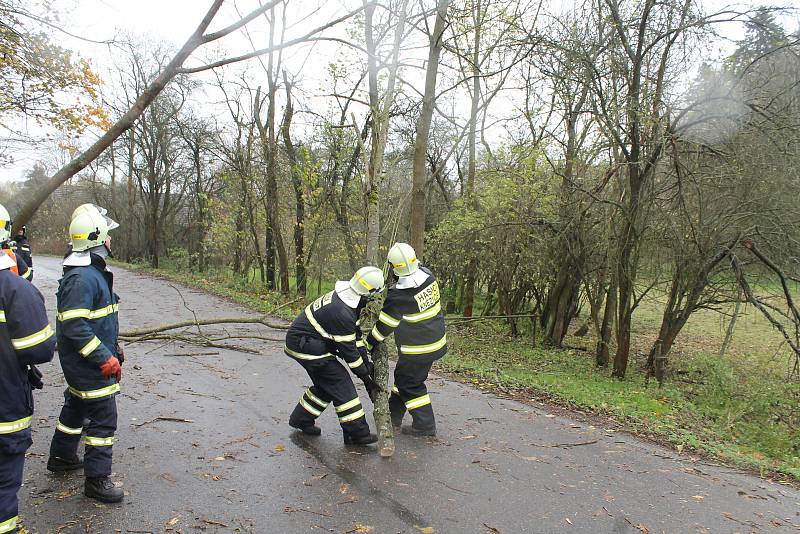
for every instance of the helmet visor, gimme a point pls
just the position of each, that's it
(111, 223)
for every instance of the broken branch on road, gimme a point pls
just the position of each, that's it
(170, 419)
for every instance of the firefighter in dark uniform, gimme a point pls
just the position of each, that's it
(22, 247)
(22, 267)
(86, 329)
(26, 339)
(412, 311)
(328, 328)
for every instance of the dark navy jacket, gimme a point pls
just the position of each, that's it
(327, 328)
(26, 338)
(413, 312)
(87, 328)
(22, 247)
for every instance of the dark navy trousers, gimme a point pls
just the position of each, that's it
(10, 481)
(99, 434)
(410, 393)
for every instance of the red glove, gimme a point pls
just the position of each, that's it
(110, 368)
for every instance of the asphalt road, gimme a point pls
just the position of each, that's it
(235, 465)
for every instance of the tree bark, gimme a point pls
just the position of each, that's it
(472, 266)
(419, 175)
(297, 182)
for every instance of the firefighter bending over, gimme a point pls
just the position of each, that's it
(327, 328)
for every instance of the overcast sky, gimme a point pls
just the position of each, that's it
(172, 21)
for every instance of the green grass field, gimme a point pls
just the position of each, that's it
(741, 409)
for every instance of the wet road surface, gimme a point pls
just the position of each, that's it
(234, 465)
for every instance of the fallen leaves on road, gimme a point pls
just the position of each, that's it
(491, 529)
(280, 448)
(425, 530)
(344, 488)
(698, 497)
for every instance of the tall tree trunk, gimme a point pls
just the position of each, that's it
(419, 175)
(472, 267)
(297, 182)
(602, 353)
(626, 263)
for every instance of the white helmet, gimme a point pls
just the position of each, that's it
(5, 224)
(403, 259)
(89, 227)
(367, 281)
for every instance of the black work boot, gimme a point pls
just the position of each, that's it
(60, 465)
(363, 439)
(311, 430)
(411, 430)
(103, 490)
(397, 419)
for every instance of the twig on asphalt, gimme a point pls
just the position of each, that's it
(215, 523)
(454, 489)
(290, 509)
(193, 354)
(564, 445)
(171, 419)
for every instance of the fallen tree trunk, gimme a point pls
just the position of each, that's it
(383, 421)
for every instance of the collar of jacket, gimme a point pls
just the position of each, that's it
(346, 293)
(6, 262)
(84, 259)
(413, 280)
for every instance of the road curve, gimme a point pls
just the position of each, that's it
(233, 465)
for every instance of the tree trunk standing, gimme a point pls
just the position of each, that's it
(237, 240)
(602, 352)
(732, 324)
(625, 302)
(273, 210)
(268, 261)
(419, 176)
(299, 198)
(472, 267)
(560, 304)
